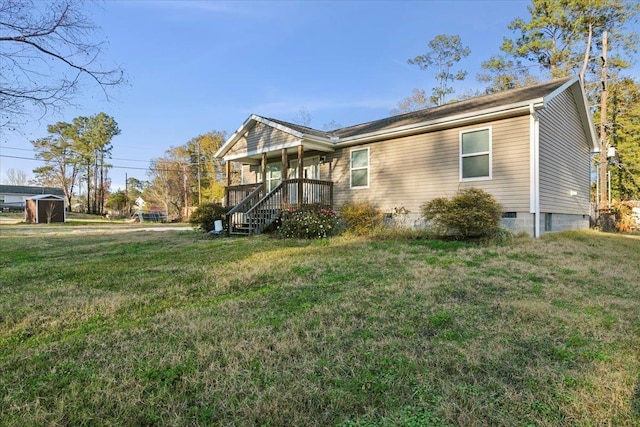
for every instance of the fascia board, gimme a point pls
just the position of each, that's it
(257, 119)
(234, 137)
(258, 152)
(311, 145)
(280, 127)
(560, 89)
(448, 122)
(580, 97)
(323, 146)
(590, 129)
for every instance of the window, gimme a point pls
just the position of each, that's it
(360, 168)
(475, 155)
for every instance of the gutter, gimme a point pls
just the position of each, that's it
(446, 122)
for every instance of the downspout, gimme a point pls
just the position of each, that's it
(534, 135)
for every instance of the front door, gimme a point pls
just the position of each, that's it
(274, 175)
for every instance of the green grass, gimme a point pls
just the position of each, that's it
(170, 328)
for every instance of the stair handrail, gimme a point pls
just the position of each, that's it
(246, 201)
(261, 202)
(266, 197)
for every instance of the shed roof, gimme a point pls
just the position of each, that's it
(27, 190)
(46, 197)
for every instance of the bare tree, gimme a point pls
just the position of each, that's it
(332, 125)
(302, 117)
(415, 102)
(46, 51)
(16, 177)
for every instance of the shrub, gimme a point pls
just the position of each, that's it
(361, 218)
(624, 220)
(470, 213)
(308, 222)
(205, 215)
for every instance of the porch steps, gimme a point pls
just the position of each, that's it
(256, 211)
(261, 219)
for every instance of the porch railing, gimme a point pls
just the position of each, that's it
(237, 216)
(236, 194)
(258, 210)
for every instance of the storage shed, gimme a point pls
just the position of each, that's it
(44, 208)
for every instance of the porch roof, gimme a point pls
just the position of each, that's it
(308, 138)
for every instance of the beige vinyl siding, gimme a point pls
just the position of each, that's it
(261, 138)
(564, 158)
(406, 172)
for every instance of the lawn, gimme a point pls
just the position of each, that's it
(170, 328)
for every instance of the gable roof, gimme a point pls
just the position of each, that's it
(503, 104)
(46, 197)
(27, 190)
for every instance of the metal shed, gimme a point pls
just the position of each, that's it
(45, 208)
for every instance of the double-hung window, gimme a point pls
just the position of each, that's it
(360, 168)
(475, 155)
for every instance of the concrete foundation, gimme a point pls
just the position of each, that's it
(522, 223)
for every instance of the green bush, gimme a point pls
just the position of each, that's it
(205, 215)
(470, 213)
(308, 222)
(361, 218)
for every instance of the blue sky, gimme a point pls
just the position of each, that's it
(197, 66)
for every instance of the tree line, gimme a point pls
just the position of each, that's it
(559, 38)
(590, 38)
(77, 153)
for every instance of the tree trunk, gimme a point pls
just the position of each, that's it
(587, 52)
(603, 204)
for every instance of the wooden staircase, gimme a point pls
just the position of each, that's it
(257, 211)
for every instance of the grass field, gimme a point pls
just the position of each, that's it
(170, 328)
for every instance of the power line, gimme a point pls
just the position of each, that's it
(111, 166)
(111, 158)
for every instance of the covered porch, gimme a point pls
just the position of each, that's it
(280, 169)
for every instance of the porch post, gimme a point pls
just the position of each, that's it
(227, 167)
(300, 173)
(263, 169)
(285, 187)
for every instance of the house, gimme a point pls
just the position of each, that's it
(45, 208)
(529, 147)
(13, 197)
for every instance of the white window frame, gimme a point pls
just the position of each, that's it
(351, 168)
(479, 153)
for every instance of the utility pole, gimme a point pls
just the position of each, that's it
(186, 205)
(199, 185)
(126, 193)
(602, 204)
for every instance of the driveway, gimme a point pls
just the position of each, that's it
(7, 227)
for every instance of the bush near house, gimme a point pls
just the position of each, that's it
(204, 217)
(470, 213)
(624, 221)
(308, 222)
(361, 218)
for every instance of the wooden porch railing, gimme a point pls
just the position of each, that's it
(257, 210)
(237, 216)
(236, 194)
